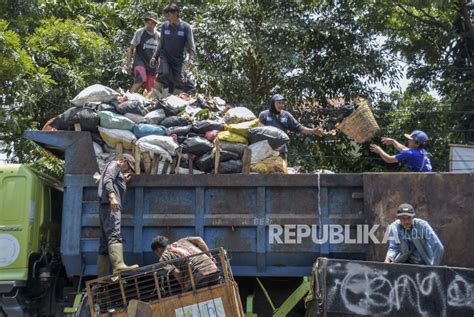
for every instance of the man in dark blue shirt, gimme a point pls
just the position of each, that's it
(414, 156)
(283, 120)
(176, 35)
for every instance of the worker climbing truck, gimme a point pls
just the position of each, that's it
(49, 230)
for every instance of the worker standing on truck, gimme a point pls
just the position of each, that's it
(412, 240)
(145, 42)
(111, 192)
(277, 117)
(204, 268)
(176, 35)
(414, 155)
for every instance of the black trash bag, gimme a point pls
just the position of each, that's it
(179, 131)
(106, 107)
(85, 116)
(169, 110)
(276, 137)
(174, 121)
(205, 162)
(345, 111)
(197, 145)
(97, 139)
(132, 106)
(230, 167)
(238, 148)
(203, 126)
(227, 156)
(194, 134)
(201, 104)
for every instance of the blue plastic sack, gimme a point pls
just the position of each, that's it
(145, 129)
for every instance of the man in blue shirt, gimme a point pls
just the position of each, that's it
(176, 35)
(414, 156)
(283, 120)
(412, 240)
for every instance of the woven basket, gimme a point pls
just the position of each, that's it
(360, 125)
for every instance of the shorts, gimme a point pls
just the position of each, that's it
(141, 75)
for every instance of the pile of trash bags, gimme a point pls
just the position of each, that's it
(176, 130)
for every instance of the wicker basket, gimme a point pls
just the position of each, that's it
(360, 125)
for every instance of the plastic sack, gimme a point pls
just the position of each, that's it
(173, 105)
(155, 116)
(85, 116)
(95, 93)
(179, 131)
(166, 142)
(211, 135)
(144, 129)
(243, 127)
(230, 167)
(276, 137)
(133, 96)
(205, 162)
(174, 121)
(197, 145)
(203, 126)
(114, 136)
(238, 148)
(260, 151)
(231, 137)
(131, 106)
(274, 164)
(135, 118)
(185, 171)
(154, 149)
(111, 120)
(238, 114)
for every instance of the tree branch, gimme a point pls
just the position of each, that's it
(430, 22)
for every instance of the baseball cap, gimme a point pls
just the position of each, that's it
(278, 97)
(406, 210)
(129, 159)
(418, 136)
(152, 16)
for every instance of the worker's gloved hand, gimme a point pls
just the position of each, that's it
(114, 205)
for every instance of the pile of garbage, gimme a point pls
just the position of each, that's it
(178, 134)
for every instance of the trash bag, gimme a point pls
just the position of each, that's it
(85, 116)
(132, 106)
(154, 149)
(205, 162)
(111, 120)
(238, 114)
(172, 105)
(243, 127)
(174, 121)
(276, 137)
(231, 137)
(261, 150)
(197, 145)
(133, 96)
(201, 127)
(227, 156)
(179, 131)
(155, 116)
(144, 129)
(95, 93)
(166, 142)
(274, 164)
(237, 148)
(114, 136)
(106, 107)
(211, 135)
(135, 118)
(230, 167)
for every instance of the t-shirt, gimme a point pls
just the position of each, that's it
(283, 121)
(173, 41)
(413, 158)
(201, 265)
(146, 44)
(112, 180)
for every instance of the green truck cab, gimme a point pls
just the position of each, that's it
(30, 263)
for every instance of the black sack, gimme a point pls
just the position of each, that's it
(174, 122)
(205, 163)
(276, 137)
(201, 127)
(179, 131)
(132, 106)
(197, 145)
(230, 167)
(85, 116)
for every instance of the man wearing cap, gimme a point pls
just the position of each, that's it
(412, 240)
(176, 35)
(415, 156)
(111, 192)
(145, 42)
(277, 117)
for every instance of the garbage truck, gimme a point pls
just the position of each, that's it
(49, 230)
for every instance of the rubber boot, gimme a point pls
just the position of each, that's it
(116, 257)
(103, 265)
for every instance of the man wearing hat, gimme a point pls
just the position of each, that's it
(412, 240)
(176, 36)
(277, 117)
(111, 192)
(415, 156)
(145, 42)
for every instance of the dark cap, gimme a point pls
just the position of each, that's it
(129, 159)
(418, 136)
(152, 16)
(278, 97)
(406, 210)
